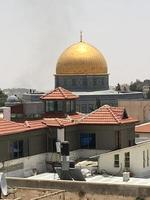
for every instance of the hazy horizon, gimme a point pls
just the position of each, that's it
(34, 33)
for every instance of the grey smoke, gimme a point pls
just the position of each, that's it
(34, 33)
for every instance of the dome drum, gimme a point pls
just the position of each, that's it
(82, 82)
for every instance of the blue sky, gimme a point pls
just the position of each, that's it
(34, 33)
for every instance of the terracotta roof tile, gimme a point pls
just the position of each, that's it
(9, 127)
(59, 94)
(107, 115)
(143, 128)
(103, 115)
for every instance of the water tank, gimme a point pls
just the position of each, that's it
(65, 148)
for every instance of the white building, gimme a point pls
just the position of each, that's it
(134, 159)
(142, 132)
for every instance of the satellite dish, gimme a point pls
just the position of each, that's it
(3, 184)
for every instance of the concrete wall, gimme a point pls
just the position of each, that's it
(137, 169)
(88, 190)
(34, 142)
(33, 108)
(105, 136)
(26, 166)
(139, 109)
(85, 153)
(109, 98)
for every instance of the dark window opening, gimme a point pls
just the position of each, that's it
(54, 106)
(17, 149)
(87, 141)
(50, 106)
(84, 108)
(116, 160)
(74, 83)
(70, 106)
(127, 160)
(118, 139)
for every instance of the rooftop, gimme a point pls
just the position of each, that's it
(143, 128)
(59, 94)
(105, 92)
(108, 179)
(107, 115)
(9, 127)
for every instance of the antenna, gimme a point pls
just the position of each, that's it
(81, 35)
(3, 184)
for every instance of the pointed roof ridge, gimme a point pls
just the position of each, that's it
(59, 93)
(106, 115)
(59, 122)
(113, 114)
(60, 89)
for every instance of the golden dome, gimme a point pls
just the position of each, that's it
(81, 59)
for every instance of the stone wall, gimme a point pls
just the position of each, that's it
(91, 191)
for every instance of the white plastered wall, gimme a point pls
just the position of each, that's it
(106, 161)
(29, 165)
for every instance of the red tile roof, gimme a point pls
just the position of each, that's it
(103, 115)
(143, 128)
(35, 124)
(59, 94)
(9, 127)
(107, 115)
(56, 121)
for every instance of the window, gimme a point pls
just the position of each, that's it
(143, 159)
(127, 159)
(72, 106)
(78, 107)
(59, 106)
(117, 139)
(116, 160)
(84, 82)
(65, 82)
(95, 81)
(102, 81)
(74, 83)
(147, 158)
(91, 107)
(49, 106)
(17, 149)
(84, 108)
(87, 141)
(68, 106)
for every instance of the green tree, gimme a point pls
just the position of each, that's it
(148, 94)
(3, 98)
(136, 86)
